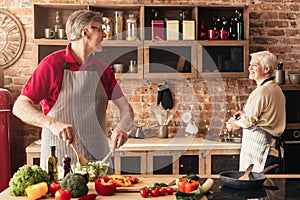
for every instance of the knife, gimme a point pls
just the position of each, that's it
(173, 182)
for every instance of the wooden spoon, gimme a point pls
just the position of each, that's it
(247, 172)
(80, 158)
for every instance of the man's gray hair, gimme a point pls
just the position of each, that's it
(79, 20)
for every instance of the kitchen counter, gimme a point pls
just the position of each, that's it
(147, 149)
(288, 188)
(155, 143)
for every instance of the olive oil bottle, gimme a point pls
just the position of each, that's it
(52, 165)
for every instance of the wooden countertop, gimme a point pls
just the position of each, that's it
(134, 194)
(155, 143)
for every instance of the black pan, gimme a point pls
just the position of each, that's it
(231, 179)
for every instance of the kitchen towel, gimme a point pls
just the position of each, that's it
(164, 96)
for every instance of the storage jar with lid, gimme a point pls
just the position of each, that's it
(107, 27)
(131, 28)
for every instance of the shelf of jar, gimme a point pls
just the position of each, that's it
(44, 16)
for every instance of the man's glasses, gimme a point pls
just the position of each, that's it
(97, 29)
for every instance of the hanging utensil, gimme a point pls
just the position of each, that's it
(80, 158)
(247, 172)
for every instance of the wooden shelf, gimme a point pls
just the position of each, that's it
(191, 51)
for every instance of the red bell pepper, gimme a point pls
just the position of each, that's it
(105, 186)
(187, 185)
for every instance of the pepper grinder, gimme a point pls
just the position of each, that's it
(280, 74)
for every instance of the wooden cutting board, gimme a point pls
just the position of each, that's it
(145, 182)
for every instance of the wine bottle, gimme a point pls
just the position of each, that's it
(239, 25)
(57, 24)
(52, 165)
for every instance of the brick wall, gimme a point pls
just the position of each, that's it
(274, 26)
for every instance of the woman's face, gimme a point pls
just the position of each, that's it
(257, 72)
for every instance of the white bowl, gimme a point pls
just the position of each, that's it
(294, 78)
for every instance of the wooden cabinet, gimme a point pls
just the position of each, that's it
(157, 58)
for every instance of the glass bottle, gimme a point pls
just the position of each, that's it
(132, 67)
(131, 28)
(239, 25)
(118, 25)
(52, 165)
(203, 31)
(232, 28)
(57, 24)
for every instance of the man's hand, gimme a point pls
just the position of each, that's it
(118, 137)
(62, 131)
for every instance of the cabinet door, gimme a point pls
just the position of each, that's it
(225, 58)
(130, 162)
(44, 47)
(221, 163)
(166, 59)
(122, 52)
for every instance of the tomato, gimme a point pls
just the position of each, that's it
(162, 191)
(187, 185)
(88, 197)
(144, 192)
(62, 194)
(54, 187)
(154, 192)
(170, 190)
(105, 186)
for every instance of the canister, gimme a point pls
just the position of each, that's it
(172, 29)
(157, 27)
(188, 30)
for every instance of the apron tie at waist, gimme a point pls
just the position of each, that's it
(279, 142)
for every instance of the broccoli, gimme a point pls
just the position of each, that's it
(26, 176)
(76, 183)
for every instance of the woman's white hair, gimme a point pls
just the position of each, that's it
(266, 58)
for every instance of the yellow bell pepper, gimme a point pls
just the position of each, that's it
(120, 180)
(36, 191)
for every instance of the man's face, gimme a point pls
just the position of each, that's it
(96, 35)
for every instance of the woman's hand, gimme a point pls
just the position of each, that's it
(231, 124)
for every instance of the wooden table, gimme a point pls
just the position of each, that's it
(133, 191)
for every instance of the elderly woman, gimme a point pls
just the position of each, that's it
(263, 118)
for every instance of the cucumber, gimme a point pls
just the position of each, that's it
(207, 185)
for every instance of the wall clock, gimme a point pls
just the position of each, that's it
(12, 38)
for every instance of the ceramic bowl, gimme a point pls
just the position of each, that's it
(294, 78)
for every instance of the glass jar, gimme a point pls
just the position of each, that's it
(131, 28)
(118, 24)
(107, 27)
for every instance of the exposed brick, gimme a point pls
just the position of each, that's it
(279, 24)
(276, 32)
